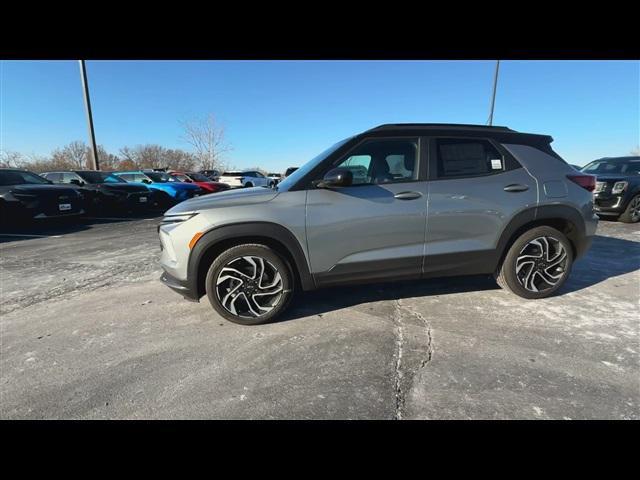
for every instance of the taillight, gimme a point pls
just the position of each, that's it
(588, 182)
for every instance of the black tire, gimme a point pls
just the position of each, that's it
(509, 279)
(632, 212)
(248, 185)
(236, 255)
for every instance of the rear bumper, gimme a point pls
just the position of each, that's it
(184, 288)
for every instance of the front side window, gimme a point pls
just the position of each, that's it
(160, 177)
(99, 177)
(382, 161)
(198, 177)
(53, 177)
(467, 158)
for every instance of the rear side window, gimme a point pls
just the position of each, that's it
(467, 158)
(53, 177)
(67, 177)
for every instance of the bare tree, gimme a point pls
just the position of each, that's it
(73, 156)
(207, 138)
(10, 159)
(156, 156)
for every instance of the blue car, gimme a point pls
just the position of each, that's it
(168, 189)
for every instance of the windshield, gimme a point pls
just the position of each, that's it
(624, 167)
(307, 167)
(198, 177)
(181, 176)
(100, 177)
(18, 177)
(160, 177)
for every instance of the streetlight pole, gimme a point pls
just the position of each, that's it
(493, 96)
(87, 105)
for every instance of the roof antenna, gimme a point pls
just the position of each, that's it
(493, 97)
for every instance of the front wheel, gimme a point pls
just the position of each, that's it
(248, 185)
(249, 284)
(632, 212)
(537, 264)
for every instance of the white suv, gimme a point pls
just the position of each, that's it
(249, 178)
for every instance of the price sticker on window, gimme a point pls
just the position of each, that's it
(496, 164)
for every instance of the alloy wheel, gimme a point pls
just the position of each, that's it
(249, 286)
(635, 209)
(541, 264)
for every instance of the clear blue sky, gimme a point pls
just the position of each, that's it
(281, 113)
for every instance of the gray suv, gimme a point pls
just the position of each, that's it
(401, 201)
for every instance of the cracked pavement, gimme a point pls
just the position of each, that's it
(88, 332)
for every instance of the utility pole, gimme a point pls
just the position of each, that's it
(87, 105)
(493, 96)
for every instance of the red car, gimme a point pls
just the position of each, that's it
(200, 180)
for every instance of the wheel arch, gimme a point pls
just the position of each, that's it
(219, 239)
(563, 218)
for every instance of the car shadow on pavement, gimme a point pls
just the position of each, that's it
(608, 257)
(322, 301)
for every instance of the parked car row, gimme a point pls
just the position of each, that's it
(25, 195)
(247, 178)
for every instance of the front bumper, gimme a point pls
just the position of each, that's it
(608, 204)
(184, 288)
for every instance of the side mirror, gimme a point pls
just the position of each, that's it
(336, 177)
(146, 180)
(77, 182)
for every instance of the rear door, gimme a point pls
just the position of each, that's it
(374, 229)
(475, 188)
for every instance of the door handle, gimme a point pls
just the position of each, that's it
(407, 195)
(516, 187)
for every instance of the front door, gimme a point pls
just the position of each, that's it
(374, 229)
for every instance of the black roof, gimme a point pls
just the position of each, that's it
(438, 126)
(497, 133)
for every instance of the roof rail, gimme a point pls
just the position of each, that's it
(462, 126)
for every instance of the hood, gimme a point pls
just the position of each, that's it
(44, 189)
(124, 187)
(615, 177)
(228, 198)
(178, 185)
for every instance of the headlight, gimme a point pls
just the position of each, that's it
(619, 187)
(182, 217)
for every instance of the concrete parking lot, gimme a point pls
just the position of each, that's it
(88, 332)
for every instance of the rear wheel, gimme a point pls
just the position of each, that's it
(632, 212)
(248, 185)
(249, 284)
(537, 264)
